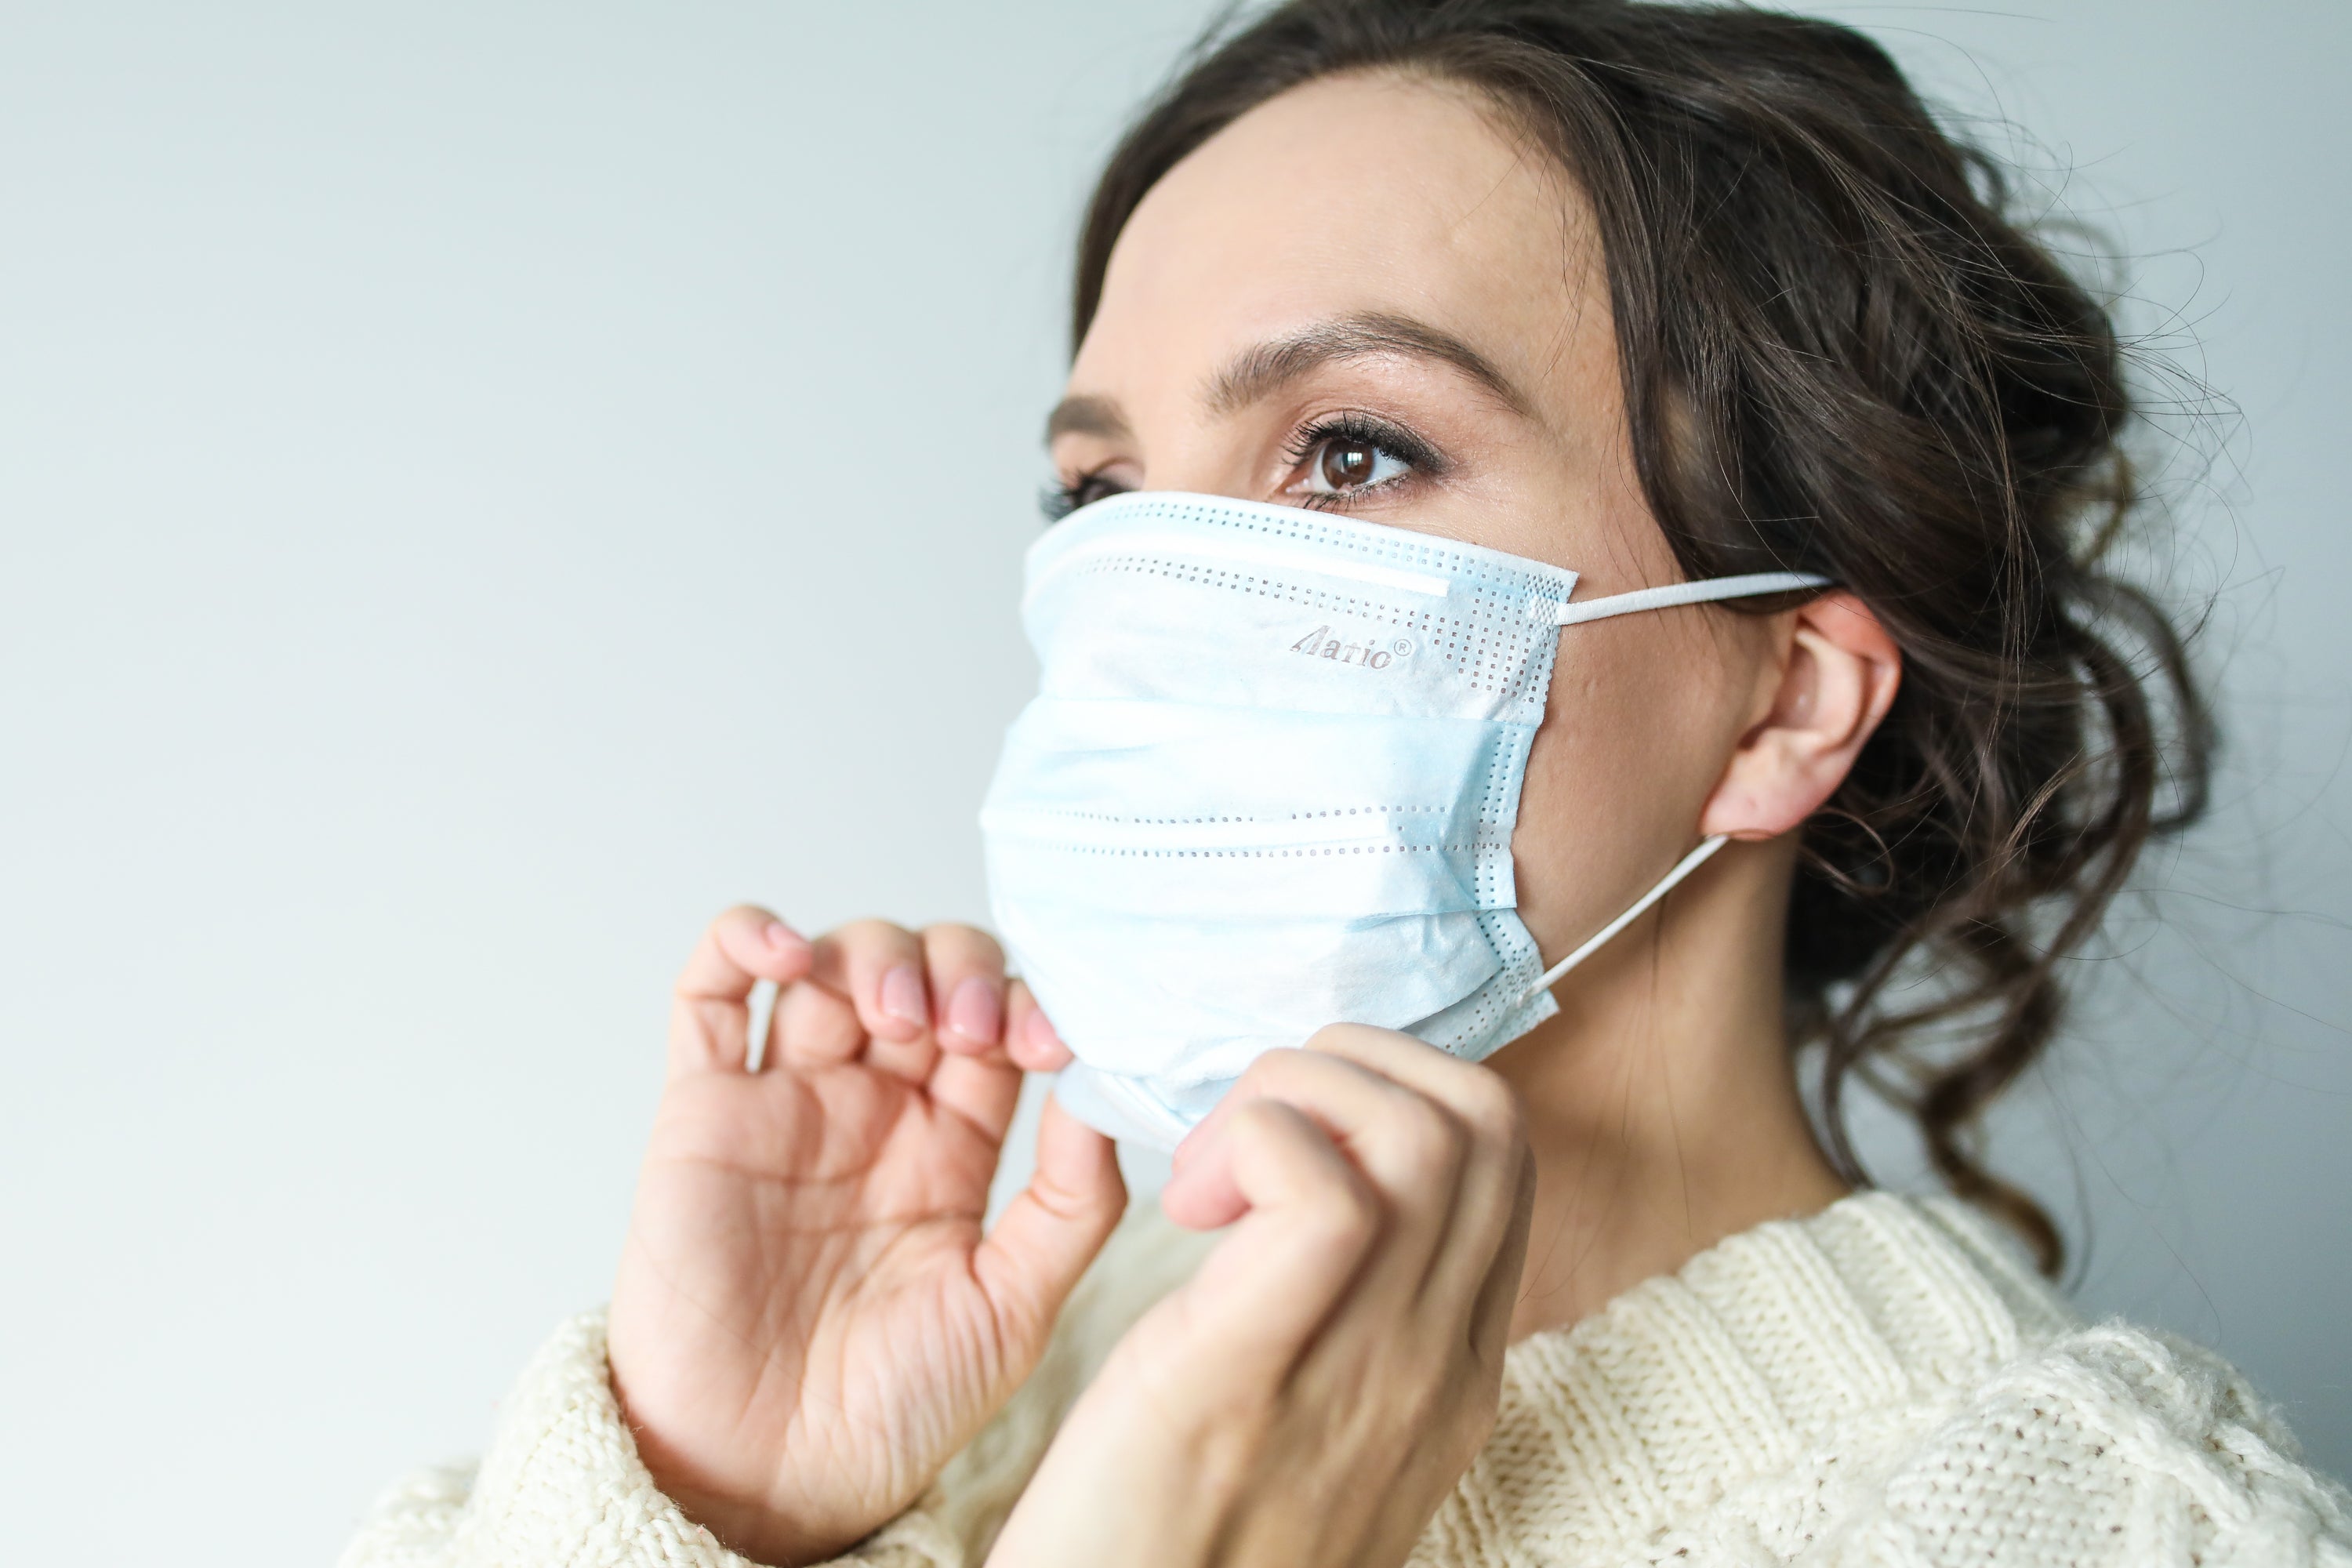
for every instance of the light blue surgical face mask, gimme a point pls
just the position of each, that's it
(1268, 784)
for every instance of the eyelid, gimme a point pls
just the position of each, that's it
(1362, 424)
(1060, 498)
(1422, 457)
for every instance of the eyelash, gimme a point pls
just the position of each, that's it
(1419, 457)
(1057, 501)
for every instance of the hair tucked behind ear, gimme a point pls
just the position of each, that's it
(1840, 354)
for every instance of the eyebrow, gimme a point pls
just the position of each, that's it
(1265, 369)
(1087, 414)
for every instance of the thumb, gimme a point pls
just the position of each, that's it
(1029, 1261)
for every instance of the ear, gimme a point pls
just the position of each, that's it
(1837, 674)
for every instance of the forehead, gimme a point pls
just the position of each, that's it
(1361, 193)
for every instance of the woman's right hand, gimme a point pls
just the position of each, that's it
(808, 1319)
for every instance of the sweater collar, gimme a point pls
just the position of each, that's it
(1759, 1350)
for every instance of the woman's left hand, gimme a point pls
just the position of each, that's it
(1317, 1389)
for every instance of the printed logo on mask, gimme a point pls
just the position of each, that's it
(1366, 655)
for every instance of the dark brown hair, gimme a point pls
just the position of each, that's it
(1842, 354)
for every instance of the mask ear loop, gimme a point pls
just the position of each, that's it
(1682, 868)
(1704, 591)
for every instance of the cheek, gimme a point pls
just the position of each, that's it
(1634, 738)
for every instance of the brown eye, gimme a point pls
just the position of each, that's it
(1344, 464)
(1347, 464)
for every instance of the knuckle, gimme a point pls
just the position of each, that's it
(1365, 1044)
(955, 939)
(1425, 1137)
(1332, 1038)
(1335, 1200)
(1349, 1213)
(1492, 1107)
(863, 935)
(1271, 1068)
(1261, 1117)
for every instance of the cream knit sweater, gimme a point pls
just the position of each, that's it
(1880, 1383)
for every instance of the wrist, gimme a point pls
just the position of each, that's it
(1126, 1480)
(751, 1530)
(743, 1519)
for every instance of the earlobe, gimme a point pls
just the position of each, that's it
(1834, 683)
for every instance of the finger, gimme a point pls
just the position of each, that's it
(1450, 1080)
(813, 1026)
(1029, 1039)
(1490, 1207)
(710, 1014)
(1485, 1107)
(1312, 1221)
(1032, 1258)
(879, 968)
(1498, 1293)
(1407, 1144)
(966, 972)
(983, 1090)
(1347, 1102)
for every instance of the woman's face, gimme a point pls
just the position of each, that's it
(1370, 295)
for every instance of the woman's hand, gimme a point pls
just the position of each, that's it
(808, 1320)
(1314, 1392)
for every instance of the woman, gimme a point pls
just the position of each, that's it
(1654, 295)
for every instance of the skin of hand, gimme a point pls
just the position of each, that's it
(1313, 1394)
(808, 1319)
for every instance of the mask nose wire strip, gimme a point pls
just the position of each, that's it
(1697, 593)
(1682, 868)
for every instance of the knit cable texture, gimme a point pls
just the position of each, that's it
(1883, 1383)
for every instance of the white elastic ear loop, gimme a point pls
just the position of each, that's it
(1698, 592)
(1682, 868)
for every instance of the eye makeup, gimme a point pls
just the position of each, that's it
(1325, 446)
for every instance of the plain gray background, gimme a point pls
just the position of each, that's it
(484, 487)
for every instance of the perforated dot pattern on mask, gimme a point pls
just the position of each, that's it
(1492, 656)
(1118, 852)
(1118, 821)
(1488, 640)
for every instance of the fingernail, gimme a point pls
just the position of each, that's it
(782, 937)
(1041, 1033)
(902, 996)
(975, 1013)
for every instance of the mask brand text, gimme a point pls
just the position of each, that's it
(1321, 644)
